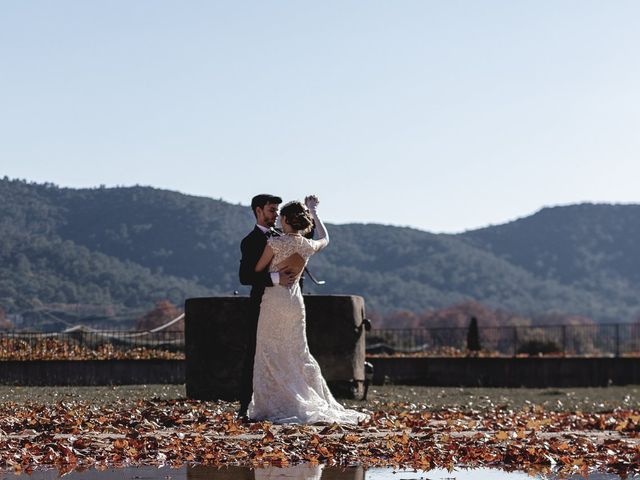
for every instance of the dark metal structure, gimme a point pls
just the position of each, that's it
(215, 342)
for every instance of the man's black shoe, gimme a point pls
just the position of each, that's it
(244, 419)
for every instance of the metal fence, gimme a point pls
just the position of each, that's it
(619, 339)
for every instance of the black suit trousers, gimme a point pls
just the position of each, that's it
(251, 329)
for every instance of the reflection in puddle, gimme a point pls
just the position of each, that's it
(299, 472)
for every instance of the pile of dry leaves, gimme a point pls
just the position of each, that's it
(72, 435)
(56, 349)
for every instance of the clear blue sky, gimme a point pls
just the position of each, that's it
(442, 115)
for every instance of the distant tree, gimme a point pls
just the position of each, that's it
(400, 319)
(5, 323)
(458, 316)
(162, 313)
(473, 336)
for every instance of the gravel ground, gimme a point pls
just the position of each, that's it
(380, 397)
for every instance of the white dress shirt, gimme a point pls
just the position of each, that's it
(275, 276)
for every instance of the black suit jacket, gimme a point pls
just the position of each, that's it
(252, 247)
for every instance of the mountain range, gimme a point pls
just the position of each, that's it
(122, 249)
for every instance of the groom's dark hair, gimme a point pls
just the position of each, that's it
(262, 200)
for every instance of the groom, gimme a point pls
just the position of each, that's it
(265, 209)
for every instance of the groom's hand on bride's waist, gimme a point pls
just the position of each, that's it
(290, 268)
(287, 277)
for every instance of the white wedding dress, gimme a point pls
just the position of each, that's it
(288, 386)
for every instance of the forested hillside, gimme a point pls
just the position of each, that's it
(593, 248)
(130, 247)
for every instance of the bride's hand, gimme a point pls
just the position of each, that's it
(322, 237)
(311, 201)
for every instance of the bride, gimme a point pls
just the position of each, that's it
(288, 386)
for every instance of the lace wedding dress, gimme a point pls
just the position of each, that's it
(288, 386)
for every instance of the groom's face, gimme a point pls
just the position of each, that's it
(268, 214)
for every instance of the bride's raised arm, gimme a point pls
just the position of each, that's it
(323, 236)
(266, 257)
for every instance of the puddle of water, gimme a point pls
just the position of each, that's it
(299, 472)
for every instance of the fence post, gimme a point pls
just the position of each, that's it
(617, 339)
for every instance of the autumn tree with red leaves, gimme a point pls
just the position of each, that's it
(5, 323)
(162, 313)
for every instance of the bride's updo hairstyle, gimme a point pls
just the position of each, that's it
(297, 216)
